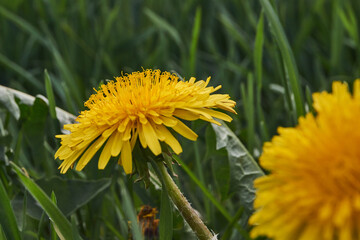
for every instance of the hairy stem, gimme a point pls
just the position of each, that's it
(189, 214)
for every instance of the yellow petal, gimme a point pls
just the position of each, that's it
(63, 152)
(127, 133)
(126, 157)
(217, 114)
(170, 139)
(151, 138)
(117, 144)
(357, 88)
(133, 139)
(123, 125)
(186, 115)
(142, 136)
(90, 152)
(185, 131)
(169, 121)
(106, 153)
(66, 164)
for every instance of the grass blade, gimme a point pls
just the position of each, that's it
(50, 94)
(61, 224)
(129, 211)
(194, 41)
(258, 55)
(7, 216)
(337, 35)
(21, 71)
(164, 25)
(166, 216)
(292, 74)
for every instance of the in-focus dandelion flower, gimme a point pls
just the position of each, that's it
(313, 190)
(142, 105)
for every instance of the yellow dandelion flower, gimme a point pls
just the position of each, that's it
(141, 105)
(313, 190)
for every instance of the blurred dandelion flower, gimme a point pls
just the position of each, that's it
(148, 222)
(139, 105)
(313, 190)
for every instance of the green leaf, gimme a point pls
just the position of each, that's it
(164, 25)
(258, 50)
(130, 211)
(292, 74)
(62, 225)
(166, 216)
(7, 216)
(34, 129)
(194, 41)
(243, 168)
(8, 101)
(50, 94)
(79, 191)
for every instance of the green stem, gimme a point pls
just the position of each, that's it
(189, 214)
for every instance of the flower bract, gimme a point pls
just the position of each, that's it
(313, 189)
(145, 105)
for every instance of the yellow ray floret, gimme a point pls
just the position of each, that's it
(139, 105)
(313, 190)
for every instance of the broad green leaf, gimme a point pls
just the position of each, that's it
(8, 101)
(71, 194)
(63, 116)
(34, 129)
(243, 168)
(62, 225)
(219, 164)
(79, 191)
(7, 216)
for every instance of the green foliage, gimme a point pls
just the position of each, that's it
(268, 55)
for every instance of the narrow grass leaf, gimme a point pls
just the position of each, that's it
(235, 31)
(2, 233)
(21, 71)
(164, 25)
(166, 216)
(258, 55)
(258, 51)
(61, 224)
(194, 41)
(349, 21)
(249, 109)
(22, 24)
(229, 228)
(337, 36)
(50, 94)
(292, 75)
(7, 216)
(53, 232)
(130, 211)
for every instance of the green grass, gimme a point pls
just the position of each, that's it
(268, 55)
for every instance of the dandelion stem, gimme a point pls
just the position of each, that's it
(189, 214)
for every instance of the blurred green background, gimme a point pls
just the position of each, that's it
(269, 63)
